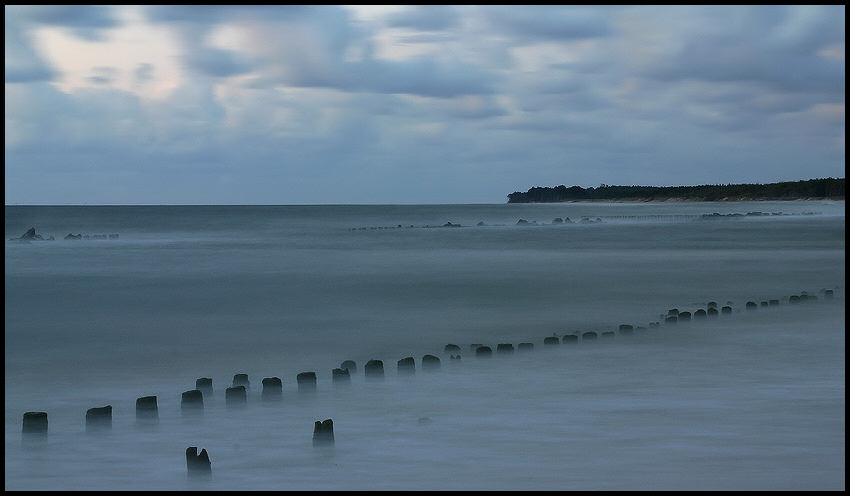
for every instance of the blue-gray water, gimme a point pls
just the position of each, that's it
(752, 400)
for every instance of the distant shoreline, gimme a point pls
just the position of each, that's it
(809, 190)
(693, 200)
(602, 200)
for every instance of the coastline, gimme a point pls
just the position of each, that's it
(808, 190)
(691, 200)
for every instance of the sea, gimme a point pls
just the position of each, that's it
(144, 300)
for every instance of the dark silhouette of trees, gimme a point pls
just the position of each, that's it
(827, 188)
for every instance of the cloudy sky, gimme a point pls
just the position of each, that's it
(434, 104)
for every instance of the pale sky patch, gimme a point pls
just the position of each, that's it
(124, 48)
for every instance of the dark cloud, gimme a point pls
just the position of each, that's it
(23, 69)
(205, 14)
(214, 14)
(99, 79)
(425, 18)
(217, 62)
(421, 76)
(752, 98)
(549, 22)
(144, 72)
(416, 76)
(102, 75)
(426, 38)
(23, 65)
(774, 45)
(85, 21)
(27, 73)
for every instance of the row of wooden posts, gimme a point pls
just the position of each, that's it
(192, 401)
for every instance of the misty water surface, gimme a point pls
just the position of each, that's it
(751, 401)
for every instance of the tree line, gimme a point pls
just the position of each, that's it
(827, 188)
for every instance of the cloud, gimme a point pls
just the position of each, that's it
(314, 53)
(103, 75)
(548, 22)
(419, 76)
(215, 14)
(144, 72)
(194, 24)
(85, 21)
(774, 45)
(425, 18)
(23, 64)
(475, 107)
(217, 62)
(310, 104)
(26, 70)
(308, 47)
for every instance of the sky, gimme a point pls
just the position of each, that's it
(327, 104)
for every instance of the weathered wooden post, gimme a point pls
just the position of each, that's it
(323, 433)
(236, 397)
(192, 402)
(34, 423)
(99, 419)
(198, 464)
(306, 381)
(272, 389)
(147, 411)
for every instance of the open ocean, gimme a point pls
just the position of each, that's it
(751, 400)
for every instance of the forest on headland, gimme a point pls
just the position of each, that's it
(826, 188)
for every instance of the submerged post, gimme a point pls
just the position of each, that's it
(341, 377)
(306, 381)
(198, 464)
(99, 419)
(374, 369)
(205, 386)
(34, 423)
(241, 380)
(430, 362)
(146, 410)
(272, 389)
(236, 397)
(323, 433)
(504, 348)
(406, 365)
(192, 402)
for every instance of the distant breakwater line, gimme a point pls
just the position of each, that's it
(31, 235)
(559, 221)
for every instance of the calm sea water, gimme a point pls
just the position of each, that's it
(753, 400)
